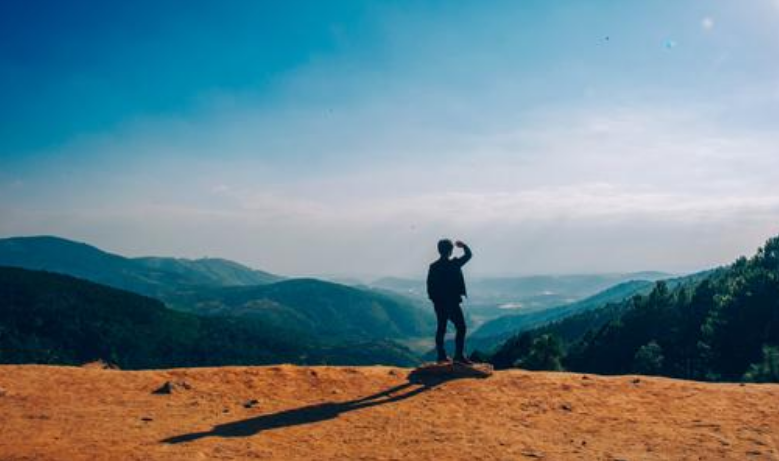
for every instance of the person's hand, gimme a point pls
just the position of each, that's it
(459, 244)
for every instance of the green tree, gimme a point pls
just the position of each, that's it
(649, 359)
(766, 371)
(545, 354)
(514, 350)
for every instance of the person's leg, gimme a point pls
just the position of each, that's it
(459, 323)
(442, 318)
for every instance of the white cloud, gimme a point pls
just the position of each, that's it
(584, 228)
(559, 190)
(707, 23)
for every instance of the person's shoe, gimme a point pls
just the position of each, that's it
(443, 359)
(463, 361)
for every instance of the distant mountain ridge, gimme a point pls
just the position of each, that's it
(491, 298)
(516, 323)
(153, 276)
(556, 288)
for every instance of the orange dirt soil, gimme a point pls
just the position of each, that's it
(288, 412)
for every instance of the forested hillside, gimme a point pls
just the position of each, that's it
(57, 319)
(315, 308)
(723, 327)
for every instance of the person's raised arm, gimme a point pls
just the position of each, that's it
(467, 255)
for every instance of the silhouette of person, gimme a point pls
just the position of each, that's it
(445, 288)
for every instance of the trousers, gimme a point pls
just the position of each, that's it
(446, 312)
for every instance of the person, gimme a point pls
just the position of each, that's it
(445, 288)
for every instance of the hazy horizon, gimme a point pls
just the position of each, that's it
(346, 138)
(418, 275)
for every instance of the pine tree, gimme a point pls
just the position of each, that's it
(648, 359)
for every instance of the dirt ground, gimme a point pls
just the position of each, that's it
(288, 412)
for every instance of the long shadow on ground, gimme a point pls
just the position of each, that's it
(418, 382)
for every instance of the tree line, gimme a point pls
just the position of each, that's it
(724, 327)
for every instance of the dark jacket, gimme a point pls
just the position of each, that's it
(445, 281)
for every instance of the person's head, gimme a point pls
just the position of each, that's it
(445, 248)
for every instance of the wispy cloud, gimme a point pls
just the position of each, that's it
(575, 179)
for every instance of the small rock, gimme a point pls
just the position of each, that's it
(636, 381)
(147, 419)
(3, 392)
(392, 373)
(566, 407)
(251, 403)
(172, 386)
(585, 377)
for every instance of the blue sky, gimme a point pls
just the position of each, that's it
(346, 137)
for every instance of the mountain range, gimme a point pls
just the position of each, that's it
(344, 322)
(219, 287)
(58, 319)
(75, 302)
(153, 276)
